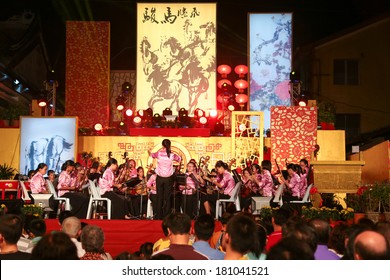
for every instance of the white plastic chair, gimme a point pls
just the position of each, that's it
(61, 200)
(278, 195)
(149, 210)
(25, 196)
(233, 198)
(95, 199)
(306, 197)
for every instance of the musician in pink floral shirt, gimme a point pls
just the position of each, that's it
(165, 177)
(293, 184)
(38, 183)
(266, 185)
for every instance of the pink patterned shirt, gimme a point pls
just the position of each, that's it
(190, 184)
(295, 185)
(303, 184)
(165, 163)
(106, 181)
(227, 183)
(38, 183)
(266, 184)
(63, 179)
(151, 184)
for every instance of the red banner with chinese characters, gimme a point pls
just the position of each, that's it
(87, 72)
(293, 134)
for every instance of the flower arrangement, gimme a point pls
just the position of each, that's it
(324, 213)
(347, 214)
(32, 210)
(3, 209)
(266, 212)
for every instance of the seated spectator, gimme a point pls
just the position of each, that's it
(204, 228)
(55, 246)
(290, 248)
(262, 237)
(11, 227)
(371, 245)
(92, 241)
(146, 250)
(163, 242)
(241, 237)
(216, 239)
(338, 238)
(72, 227)
(322, 229)
(179, 226)
(279, 218)
(37, 229)
(298, 228)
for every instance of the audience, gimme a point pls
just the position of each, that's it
(291, 248)
(279, 218)
(11, 227)
(36, 230)
(371, 245)
(322, 228)
(92, 241)
(55, 246)
(204, 229)
(179, 226)
(72, 227)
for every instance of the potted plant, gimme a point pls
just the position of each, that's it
(6, 172)
(326, 115)
(32, 210)
(12, 113)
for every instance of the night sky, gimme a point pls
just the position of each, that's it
(312, 20)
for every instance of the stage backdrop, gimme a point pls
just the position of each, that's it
(87, 71)
(176, 56)
(270, 44)
(48, 140)
(293, 134)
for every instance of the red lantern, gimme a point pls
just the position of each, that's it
(223, 82)
(241, 98)
(241, 85)
(241, 70)
(224, 70)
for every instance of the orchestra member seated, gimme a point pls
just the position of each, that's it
(293, 184)
(224, 182)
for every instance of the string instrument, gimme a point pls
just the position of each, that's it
(211, 187)
(231, 163)
(203, 165)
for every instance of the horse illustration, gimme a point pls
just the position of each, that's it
(55, 148)
(162, 88)
(35, 153)
(148, 57)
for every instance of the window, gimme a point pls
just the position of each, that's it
(345, 72)
(350, 123)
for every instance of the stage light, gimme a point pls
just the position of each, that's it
(140, 113)
(126, 87)
(157, 119)
(120, 102)
(241, 127)
(42, 102)
(203, 120)
(183, 112)
(137, 121)
(231, 107)
(199, 113)
(295, 77)
(213, 113)
(302, 103)
(122, 128)
(129, 112)
(167, 111)
(98, 127)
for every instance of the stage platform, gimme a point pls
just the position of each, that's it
(123, 235)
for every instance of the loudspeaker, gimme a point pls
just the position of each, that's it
(258, 202)
(14, 206)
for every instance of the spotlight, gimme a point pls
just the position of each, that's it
(213, 113)
(203, 120)
(122, 129)
(183, 112)
(98, 127)
(42, 103)
(137, 121)
(126, 87)
(129, 112)
(157, 119)
(295, 77)
(167, 111)
(199, 113)
(231, 106)
(120, 103)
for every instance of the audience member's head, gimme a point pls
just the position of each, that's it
(55, 246)
(352, 232)
(204, 227)
(338, 237)
(11, 227)
(92, 239)
(71, 226)
(37, 228)
(262, 239)
(280, 216)
(126, 256)
(290, 248)
(146, 250)
(322, 229)
(63, 215)
(178, 223)
(371, 245)
(384, 229)
(241, 235)
(298, 228)
(366, 222)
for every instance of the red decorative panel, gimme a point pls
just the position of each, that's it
(87, 72)
(293, 134)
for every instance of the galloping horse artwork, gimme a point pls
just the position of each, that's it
(47, 151)
(177, 66)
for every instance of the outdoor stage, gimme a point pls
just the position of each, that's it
(123, 235)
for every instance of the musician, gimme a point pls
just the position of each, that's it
(140, 190)
(266, 184)
(132, 171)
(38, 183)
(225, 182)
(293, 183)
(248, 189)
(151, 185)
(94, 172)
(306, 176)
(256, 176)
(189, 195)
(107, 184)
(165, 178)
(66, 188)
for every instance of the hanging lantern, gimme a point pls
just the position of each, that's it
(224, 70)
(241, 70)
(241, 85)
(241, 99)
(222, 83)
